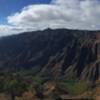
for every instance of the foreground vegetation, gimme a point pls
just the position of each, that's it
(29, 86)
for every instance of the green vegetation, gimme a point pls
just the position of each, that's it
(74, 87)
(12, 86)
(17, 84)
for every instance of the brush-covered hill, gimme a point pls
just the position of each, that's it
(58, 53)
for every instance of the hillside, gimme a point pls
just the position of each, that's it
(50, 65)
(53, 53)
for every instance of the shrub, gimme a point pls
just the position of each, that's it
(74, 87)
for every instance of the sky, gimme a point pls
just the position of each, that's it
(18, 16)
(8, 7)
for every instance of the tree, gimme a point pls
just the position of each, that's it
(15, 88)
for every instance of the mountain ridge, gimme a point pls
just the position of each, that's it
(57, 52)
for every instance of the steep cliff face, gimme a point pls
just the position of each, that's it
(53, 53)
(79, 60)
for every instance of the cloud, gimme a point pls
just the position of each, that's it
(73, 14)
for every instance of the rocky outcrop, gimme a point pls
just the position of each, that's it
(54, 54)
(77, 61)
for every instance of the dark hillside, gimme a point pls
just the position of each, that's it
(53, 53)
